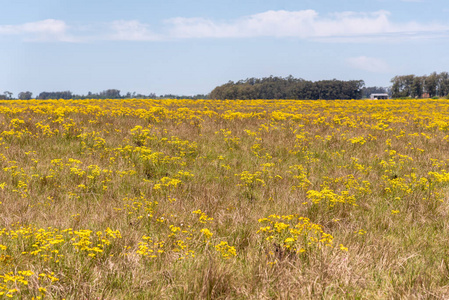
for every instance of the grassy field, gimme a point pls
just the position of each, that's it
(184, 199)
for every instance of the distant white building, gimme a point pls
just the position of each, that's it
(378, 96)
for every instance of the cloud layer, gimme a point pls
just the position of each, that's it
(131, 31)
(303, 24)
(46, 30)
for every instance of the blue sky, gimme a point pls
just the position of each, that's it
(189, 47)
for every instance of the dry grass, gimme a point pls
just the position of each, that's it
(180, 199)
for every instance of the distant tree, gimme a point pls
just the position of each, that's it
(55, 95)
(8, 95)
(443, 84)
(25, 95)
(402, 86)
(431, 84)
(288, 88)
(417, 87)
(110, 94)
(172, 96)
(435, 85)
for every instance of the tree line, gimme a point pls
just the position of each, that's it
(288, 88)
(403, 86)
(106, 94)
(427, 86)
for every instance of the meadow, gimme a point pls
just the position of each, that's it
(208, 199)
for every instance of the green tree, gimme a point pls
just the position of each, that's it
(25, 95)
(417, 87)
(402, 86)
(110, 94)
(288, 88)
(443, 84)
(430, 84)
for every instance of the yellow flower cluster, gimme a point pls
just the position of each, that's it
(293, 233)
(46, 244)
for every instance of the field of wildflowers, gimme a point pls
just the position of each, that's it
(189, 199)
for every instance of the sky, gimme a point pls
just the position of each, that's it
(189, 47)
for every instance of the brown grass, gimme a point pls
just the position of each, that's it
(371, 174)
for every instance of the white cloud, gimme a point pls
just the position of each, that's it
(270, 23)
(131, 31)
(49, 29)
(370, 64)
(303, 24)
